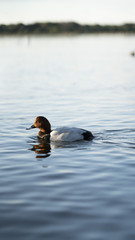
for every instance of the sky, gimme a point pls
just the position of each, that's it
(81, 11)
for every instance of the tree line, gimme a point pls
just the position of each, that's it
(64, 28)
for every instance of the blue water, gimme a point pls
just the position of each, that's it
(81, 190)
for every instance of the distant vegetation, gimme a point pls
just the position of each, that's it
(64, 28)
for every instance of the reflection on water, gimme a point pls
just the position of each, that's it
(42, 148)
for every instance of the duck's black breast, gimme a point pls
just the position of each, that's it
(87, 135)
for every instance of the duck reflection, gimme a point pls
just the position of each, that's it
(42, 149)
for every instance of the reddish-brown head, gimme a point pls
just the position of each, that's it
(42, 123)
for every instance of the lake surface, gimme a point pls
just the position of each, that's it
(80, 190)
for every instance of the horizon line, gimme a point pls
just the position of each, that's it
(70, 21)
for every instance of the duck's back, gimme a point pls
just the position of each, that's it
(70, 134)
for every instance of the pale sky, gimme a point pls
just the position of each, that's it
(82, 11)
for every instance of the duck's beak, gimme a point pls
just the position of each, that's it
(31, 127)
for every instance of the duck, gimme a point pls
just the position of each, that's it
(62, 134)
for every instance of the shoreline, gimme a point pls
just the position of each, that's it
(53, 28)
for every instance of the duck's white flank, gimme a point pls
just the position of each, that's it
(67, 134)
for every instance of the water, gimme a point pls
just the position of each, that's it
(81, 190)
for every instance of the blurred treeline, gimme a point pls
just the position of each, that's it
(64, 27)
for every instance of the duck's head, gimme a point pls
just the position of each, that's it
(42, 123)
